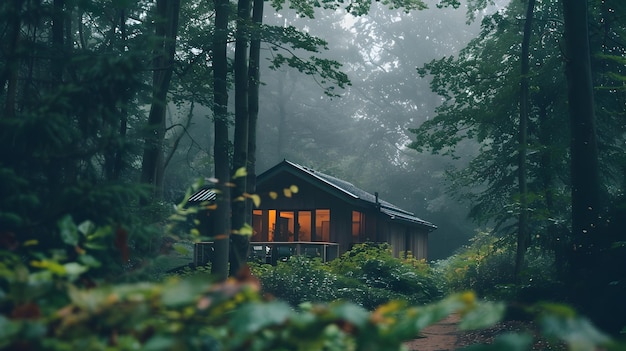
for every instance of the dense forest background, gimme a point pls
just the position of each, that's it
(359, 133)
(501, 122)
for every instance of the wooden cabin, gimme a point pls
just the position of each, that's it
(330, 214)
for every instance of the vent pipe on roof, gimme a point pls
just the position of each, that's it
(377, 217)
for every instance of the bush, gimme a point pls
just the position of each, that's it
(487, 266)
(367, 275)
(374, 266)
(297, 280)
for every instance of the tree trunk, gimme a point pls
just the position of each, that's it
(584, 150)
(546, 175)
(523, 238)
(239, 243)
(58, 60)
(114, 152)
(221, 224)
(118, 163)
(166, 30)
(253, 101)
(9, 73)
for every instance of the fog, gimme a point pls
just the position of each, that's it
(360, 133)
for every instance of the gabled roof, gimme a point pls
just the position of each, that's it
(345, 190)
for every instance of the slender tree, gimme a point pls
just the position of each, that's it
(166, 29)
(221, 223)
(585, 179)
(522, 224)
(9, 71)
(239, 242)
(253, 99)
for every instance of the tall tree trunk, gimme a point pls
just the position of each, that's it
(523, 237)
(253, 100)
(114, 153)
(118, 163)
(166, 24)
(221, 223)
(58, 60)
(8, 75)
(179, 137)
(546, 175)
(584, 150)
(239, 243)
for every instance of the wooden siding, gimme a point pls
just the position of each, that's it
(312, 195)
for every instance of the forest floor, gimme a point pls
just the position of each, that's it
(441, 336)
(445, 335)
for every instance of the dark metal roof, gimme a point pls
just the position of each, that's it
(350, 190)
(205, 194)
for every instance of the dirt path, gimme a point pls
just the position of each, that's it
(442, 336)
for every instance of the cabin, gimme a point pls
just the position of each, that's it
(307, 212)
(330, 213)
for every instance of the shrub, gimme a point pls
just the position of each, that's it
(374, 266)
(368, 275)
(298, 280)
(487, 266)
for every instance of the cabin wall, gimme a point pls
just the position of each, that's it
(341, 227)
(397, 236)
(401, 237)
(370, 233)
(307, 198)
(404, 239)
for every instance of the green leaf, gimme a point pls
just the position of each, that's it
(177, 217)
(8, 329)
(253, 317)
(95, 246)
(182, 292)
(352, 313)
(240, 172)
(86, 227)
(485, 315)
(69, 231)
(159, 342)
(100, 232)
(89, 260)
(182, 249)
(246, 230)
(74, 269)
(577, 332)
(32, 330)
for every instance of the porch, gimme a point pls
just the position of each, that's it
(272, 252)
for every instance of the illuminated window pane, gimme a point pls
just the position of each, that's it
(322, 225)
(286, 226)
(257, 226)
(271, 224)
(356, 225)
(304, 226)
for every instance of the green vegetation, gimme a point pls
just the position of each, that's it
(487, 265)
(48, 303)
(367, 275)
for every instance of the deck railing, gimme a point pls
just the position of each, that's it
(273, 251)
